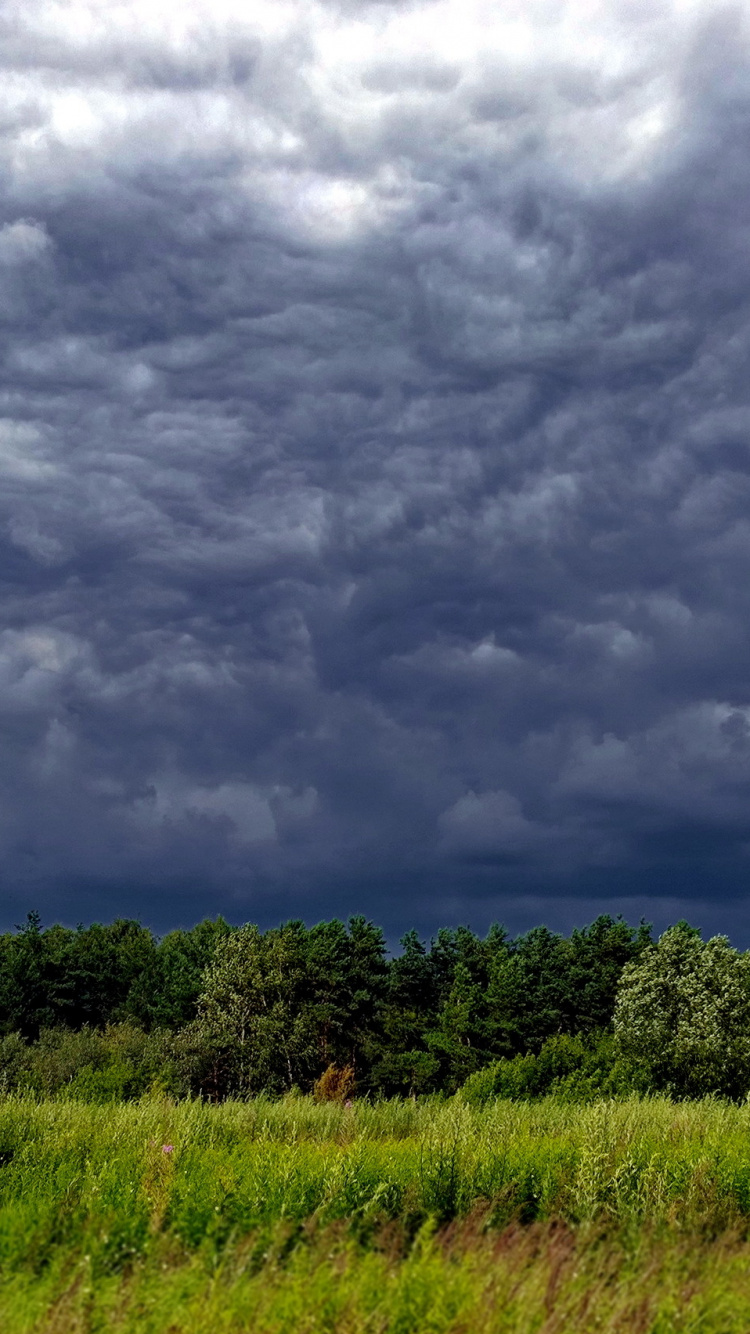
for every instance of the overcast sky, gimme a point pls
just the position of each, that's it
(375, 461)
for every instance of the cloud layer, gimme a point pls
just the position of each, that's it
(375, 460)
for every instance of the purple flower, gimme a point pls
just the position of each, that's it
(167, 1148)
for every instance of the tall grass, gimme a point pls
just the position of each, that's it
(544, 1279)
(392, 1216)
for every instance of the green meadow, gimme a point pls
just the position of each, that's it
(402, 1215)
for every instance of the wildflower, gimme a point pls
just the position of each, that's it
(167, 1148)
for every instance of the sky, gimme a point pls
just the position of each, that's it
(375, 461)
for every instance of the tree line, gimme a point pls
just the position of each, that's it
(110, 1011)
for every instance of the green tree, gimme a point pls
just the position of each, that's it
(401, 1061)
(459, 1036)
(277, 1008)
(58, 977)
(165, 992)
(528, 993)
(596, 956)
(29, 980)
(346, 983)
(683, 1015)
(544, 985)
(97, 970)
(251, 1011)
(436, 1022)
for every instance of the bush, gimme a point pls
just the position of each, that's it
(336, 1084)
(15, 1061)
(573, 1068)
(118, 1063)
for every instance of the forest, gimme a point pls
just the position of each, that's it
(292, 1129)
(109, 1011)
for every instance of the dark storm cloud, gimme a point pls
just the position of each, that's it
(374, 464)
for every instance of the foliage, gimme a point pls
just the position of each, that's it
(683, 1015)
(120, 1061)
(545, 985)
(100, 974)
(250, 1009)
(221, 1011)
(278, 1007)
(571, 1068)
(502, 1208)
(165, 994)
(454, 1008)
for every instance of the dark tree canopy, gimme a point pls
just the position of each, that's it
(251, 1010)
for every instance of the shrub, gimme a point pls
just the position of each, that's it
(336, 1084)
(15, 1060)
(573, 1068)
(92, 1065)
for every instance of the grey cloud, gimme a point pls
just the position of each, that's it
(373, 473)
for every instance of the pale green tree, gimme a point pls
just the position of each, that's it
(252, 1012)
(682, 1015)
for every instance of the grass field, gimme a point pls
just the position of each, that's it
(398, 1216)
